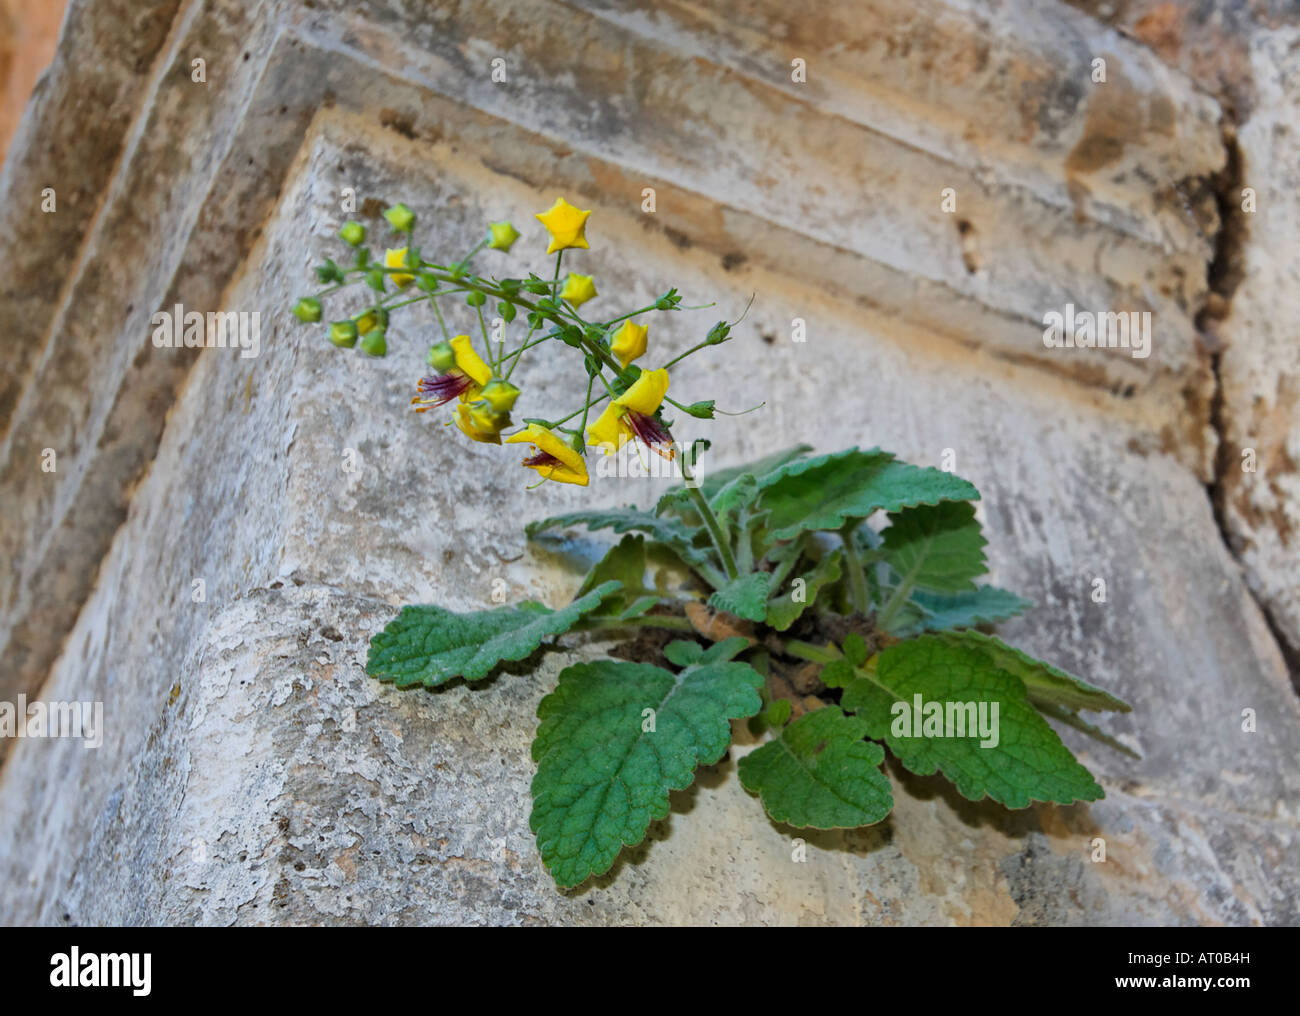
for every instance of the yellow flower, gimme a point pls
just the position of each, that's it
(631, 416)
(554, 460)
(396, 259)
(503, 235)
(565, 223)
(578, 289)
(629, 342)
(464, 380)
(481, 424)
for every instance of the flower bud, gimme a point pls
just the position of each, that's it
(718, 333)
(376, 317)
(507, 312)
(344, 334)
(353, 233)
(441, 357)
(500, 394)
(374, 343)
(503, 235)
(475, 299)
(307, 309)
(400, 218)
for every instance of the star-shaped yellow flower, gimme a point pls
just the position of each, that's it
(578, 289)
(396, 259)
(554, 460)
(629, 342)
(565, 223)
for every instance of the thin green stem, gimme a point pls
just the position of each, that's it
(857, 578)
(710, 522)
(807, 651)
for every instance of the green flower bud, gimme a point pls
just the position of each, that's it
(503, 235)
(375, 280)
(374, 343)
(329, 272)
(507, 312)
(475, 299)
(441, 357)
(400, 218)
(353, 233)
(307, 309)
(701, 410)
(344, 334)
(500, 395)
(718, 333)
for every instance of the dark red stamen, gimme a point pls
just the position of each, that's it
(542, 459)
(650, 432)
(444, 387)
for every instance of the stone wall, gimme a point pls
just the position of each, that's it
(251, 773)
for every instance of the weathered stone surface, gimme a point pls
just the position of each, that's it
(252, 773)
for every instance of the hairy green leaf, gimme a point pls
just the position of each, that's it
(624, 563)
(783, 609)
(1022, 759)
(820, 773)
(614, 739)
(431, 645)
(938, 547)
(826, 491)
(713, 480)
(1044, 683)
(668, 532)
(943, 611)
(745, 596)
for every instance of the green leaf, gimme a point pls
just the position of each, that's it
(1028, 762)
(606, 765)
(734, 495)
(1044, 683)
(431, 645)
(713, 480)
(943, 611)
(820, 773)
(686, 653)
(939, 547)
(638, 607)
(625, 563)
(826, 491)
(745, 596)
(783, 609)
(668, 532)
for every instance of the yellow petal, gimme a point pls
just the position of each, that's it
(629, 342)
(647, 393)
(578, 289)
(566, 224)
(572, 469)
(609, 432)
(469, 361)
(396, 259)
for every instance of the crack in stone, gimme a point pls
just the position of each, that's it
(1224, 273)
